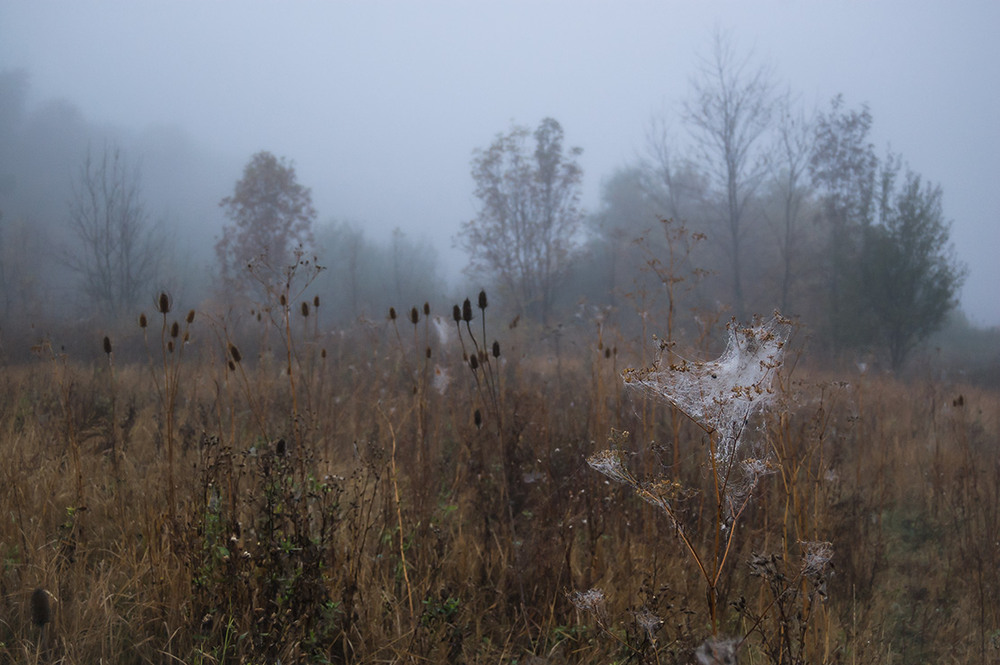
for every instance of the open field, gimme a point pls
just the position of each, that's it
(382, 502)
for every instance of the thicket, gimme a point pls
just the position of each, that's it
(396, 493)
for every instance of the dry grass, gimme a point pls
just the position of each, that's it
(367, 518)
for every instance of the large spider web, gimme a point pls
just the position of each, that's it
(722, 394)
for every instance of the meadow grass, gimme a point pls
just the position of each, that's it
(337, 500)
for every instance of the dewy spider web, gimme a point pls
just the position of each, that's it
(722, 394)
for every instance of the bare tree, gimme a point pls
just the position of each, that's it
(117, 253)
(528, 215)
(790, 168)
(729, 111)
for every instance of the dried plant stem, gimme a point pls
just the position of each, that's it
(399, 510)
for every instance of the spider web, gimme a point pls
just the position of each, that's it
(721, 394)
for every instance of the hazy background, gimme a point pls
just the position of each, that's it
(380, 104)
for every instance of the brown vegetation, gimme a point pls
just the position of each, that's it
(337, 501)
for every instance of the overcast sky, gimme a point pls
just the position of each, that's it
(380, 104)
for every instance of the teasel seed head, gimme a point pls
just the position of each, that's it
(456, 313)
(305, 309)
(478, 418)
(190, 317)
(467, 310)
(232, 366)
(607, 352)
(107, 345)
(235, 353)
(414, 316)
(163, 304)
(283, 300)
(392, 313)
(175, 329)
(322, 353)
(41, 609)
(170, 346)
(496, 349)
(474, 363)
(142, 320)
(315, 301)
(482, 299)
(427, 309)
(428, 353)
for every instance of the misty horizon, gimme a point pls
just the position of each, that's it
(380, 107)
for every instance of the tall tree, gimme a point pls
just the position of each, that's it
(729, 111)
(272, 216)
(909, 272)
(117, 254)
(528, 216)
(843, 167)
(790, 167)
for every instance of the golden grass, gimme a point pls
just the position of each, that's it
(398, 531)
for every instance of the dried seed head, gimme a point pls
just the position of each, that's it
(474, 363)
(322, 353)
(414, 316)
(41, 609)
(478, 418)
(142, 320)
(482, 299)
(283, 300)
(163, 304)
(190, 317)
(170, 346)
(467, 310)
(107, 345)
(607, 353)
(305, 309)
(235, 353)
(315, 301)
(427, 309)
(232, 366)
(279, 448)
(496, 349)
(175, 329)
(456, 313)
(428, 352)
(392, 313)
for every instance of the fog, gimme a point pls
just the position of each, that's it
(381, 104)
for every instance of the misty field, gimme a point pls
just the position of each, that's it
(418, 490)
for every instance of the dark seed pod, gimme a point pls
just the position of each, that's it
(41, 610)
(170, 346)
(190, 317)
(315, 301)
(279, 448)
(283, 300)
(232, 366)
(392, 313)
(107, 345)
(607, 353)
(427, 309)
(142, 320)
(322, 353)
(414, 316)
(467, 310)
(428, 352)
(456, 313)
(305, 309)
(474, 363)
(482, 299)
(163, 304)
(496, 349)
(478, 418)
(175, 329)
(235, 353)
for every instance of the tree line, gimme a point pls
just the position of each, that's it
(742, 203)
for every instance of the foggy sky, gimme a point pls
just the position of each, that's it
(380, 104)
